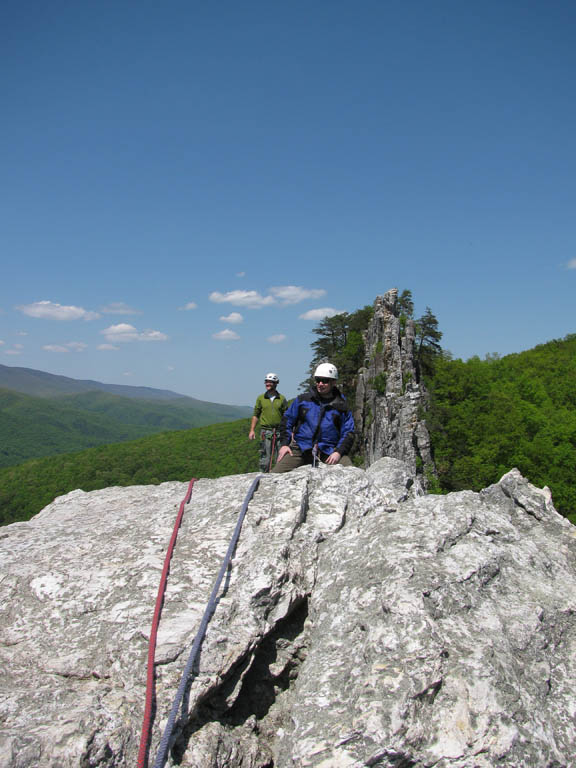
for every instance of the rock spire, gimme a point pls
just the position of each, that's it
(391, 400)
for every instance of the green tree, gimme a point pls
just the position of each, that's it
(428, 337)
(488, 416)
(406, 304)
(340, 342)
(332, 335)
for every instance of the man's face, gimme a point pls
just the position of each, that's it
(324, 386)
(270, 385)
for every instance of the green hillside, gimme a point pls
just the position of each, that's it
(181, 413)
(32, 427)
(488, 416)
(212, 451)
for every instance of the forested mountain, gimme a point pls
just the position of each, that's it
(32, 427)
(213, 451)
(42, 414)
(42, 384)
(490, 415)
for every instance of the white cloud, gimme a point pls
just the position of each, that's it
(127, 373)
(153, 336)
(189, 306)
(49, 310)
(320, 314)
(120, 332)
(124, 332)
(119, 308)
(77, 346)
(277, 338)
(294, 294)
(234, 318)
(21, 333)
(248, 299)
(240, 274)
(16, 348)
(280, 294)
(107, 347)
(226, 335)
(55, 348)
(571, 264)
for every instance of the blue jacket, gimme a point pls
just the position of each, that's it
(310, 420)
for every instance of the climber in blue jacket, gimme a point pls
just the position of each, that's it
(318, 425)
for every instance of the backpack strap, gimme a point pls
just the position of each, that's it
(299, 418)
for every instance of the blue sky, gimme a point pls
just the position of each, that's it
(188, 187)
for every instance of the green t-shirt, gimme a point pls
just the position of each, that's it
(269, 410)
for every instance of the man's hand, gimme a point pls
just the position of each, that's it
(283, 451)
(251, 435)
(334, 458)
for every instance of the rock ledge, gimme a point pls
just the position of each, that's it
(362, 624)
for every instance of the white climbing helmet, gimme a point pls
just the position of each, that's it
(326, 371)
(273, 377)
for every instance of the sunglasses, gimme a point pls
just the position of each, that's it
(320, 380)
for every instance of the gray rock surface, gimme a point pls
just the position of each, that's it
(362, 624)
(390, 398)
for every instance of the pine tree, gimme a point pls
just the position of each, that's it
(406, 304)
(427, 341)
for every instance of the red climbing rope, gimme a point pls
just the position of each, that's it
(150, 678)
(272, 450)
(167, 736)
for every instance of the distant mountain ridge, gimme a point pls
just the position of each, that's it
(30, 381)
(42, 414)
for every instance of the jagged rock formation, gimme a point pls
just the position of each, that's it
(362, 624)
(390, 398)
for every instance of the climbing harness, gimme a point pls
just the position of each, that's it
(272, 449)
(268, 439)
(314, 455)
(164, 746)
(316, 436)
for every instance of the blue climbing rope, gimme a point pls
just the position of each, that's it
(162, 754)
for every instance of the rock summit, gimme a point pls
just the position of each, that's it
(362, 623)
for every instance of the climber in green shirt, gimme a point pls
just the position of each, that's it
(269, 409)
